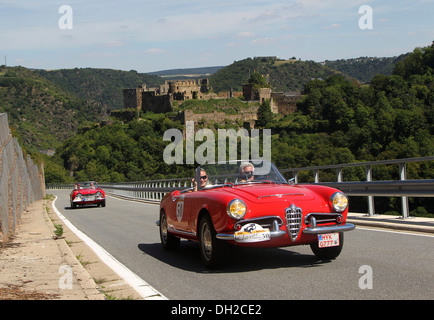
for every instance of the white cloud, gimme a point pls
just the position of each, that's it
(245, 34)
(333, 26)
(154, 50)
(263, 41)
(114, 43)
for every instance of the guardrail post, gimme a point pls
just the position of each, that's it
(316, 175)
(371, 207)
(404, 200)
(339, 176)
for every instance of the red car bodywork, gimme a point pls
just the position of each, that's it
(289, 214)
(86, 193)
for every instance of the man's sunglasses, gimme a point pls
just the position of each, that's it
(248, 172)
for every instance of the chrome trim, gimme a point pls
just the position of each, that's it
(334, 214)
(275, 232)
(254, 220)
(281, 195)
(330, 229)
(180, 232)
(293, 217)
(231, 237)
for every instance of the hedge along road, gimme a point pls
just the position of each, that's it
(374, 264)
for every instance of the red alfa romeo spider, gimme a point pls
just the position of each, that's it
(86, 193)
(244, 204)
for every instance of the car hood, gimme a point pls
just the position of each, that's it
(270, 192)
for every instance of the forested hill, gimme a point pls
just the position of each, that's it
(292, 75)
(101, 85)
(41, 113)
(365, 68)
(283, 75)
(106, 85)
(341, 122)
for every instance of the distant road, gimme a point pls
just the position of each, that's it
(401, 265)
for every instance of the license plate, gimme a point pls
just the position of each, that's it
(89, 198)
(328, 240)
(252, 233)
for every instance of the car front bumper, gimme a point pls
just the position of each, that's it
(279, 233)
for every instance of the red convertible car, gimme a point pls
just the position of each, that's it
(242, 204)
(86, 193)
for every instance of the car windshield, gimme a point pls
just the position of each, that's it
(239, 172)
(86, 185)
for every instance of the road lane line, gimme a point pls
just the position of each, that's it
(398, 232)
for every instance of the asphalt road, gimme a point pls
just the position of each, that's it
(374, 264)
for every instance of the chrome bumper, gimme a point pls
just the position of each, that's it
(331, 229)
(279, 233)
(231, 237)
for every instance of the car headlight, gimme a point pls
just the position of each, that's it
(236, 209)
(78, 197)
(339, 201)
(98, 195)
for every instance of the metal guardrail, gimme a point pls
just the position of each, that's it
(397, 188)
(156, 189)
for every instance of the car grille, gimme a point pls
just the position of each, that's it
(293, 216)
(89, 197)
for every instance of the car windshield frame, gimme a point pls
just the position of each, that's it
(227, 174)
(85, 185)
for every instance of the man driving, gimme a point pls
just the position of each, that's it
(246, 171)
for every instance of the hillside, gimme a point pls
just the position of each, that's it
(41, 113)
(194, 73)
(365, 68)
(101, 85)
(283, 75)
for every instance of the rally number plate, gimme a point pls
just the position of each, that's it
(252, 233)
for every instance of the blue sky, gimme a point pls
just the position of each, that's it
(158, 35)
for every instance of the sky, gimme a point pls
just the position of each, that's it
(156, 35)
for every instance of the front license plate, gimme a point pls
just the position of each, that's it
(89, 198)
(328, 240)
(252, 233)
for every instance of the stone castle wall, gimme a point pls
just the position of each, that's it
(160, 100)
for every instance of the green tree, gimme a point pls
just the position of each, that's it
(258, 81)
(265, 115)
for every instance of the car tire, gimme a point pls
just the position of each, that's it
(212, 250)
(328, 253)
(102, 203)
(168, 241)
(73, 205)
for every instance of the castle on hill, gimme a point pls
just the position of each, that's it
(160, 100)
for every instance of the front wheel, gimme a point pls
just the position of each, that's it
(168, 241)
(328, 253)
(212, 250)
